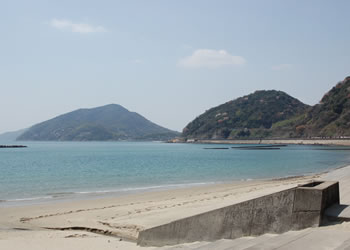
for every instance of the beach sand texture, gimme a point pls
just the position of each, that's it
(114, 223)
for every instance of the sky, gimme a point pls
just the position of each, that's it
(169, 61)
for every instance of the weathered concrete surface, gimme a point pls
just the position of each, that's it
(316, 196)
(291, 209)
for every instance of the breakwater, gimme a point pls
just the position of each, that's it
(12, 146)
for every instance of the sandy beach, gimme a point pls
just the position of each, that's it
(114, 223)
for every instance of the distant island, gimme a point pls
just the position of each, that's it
(271, 114)
(264, 114)
(107, 123)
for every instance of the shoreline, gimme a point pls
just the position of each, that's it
(124, 216)
(78, 196)
(325, 142)
(114, 222)
(81, 196)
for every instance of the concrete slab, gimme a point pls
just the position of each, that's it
(332, 237)
(188, 246)
(280, 240)
(344, 246)
(224, 244)
(246, 244)
(318, 239)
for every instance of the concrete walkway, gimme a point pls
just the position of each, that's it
(340, 212)
(343, 176)
(312, 239)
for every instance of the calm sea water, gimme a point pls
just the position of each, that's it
(56, 170)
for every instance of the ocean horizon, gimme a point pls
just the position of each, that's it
(54, 171)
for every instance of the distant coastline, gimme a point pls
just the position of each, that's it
(337, 142)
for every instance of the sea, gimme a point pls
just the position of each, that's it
(56, 171)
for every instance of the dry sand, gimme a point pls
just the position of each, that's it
(114, 223)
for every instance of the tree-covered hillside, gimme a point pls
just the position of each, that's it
(331, 117)
(110, 122)
(251, 116)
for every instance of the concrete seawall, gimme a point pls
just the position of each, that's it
(291, 209)
(340, 142)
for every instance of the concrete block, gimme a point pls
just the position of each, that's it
(307, 199)
(330, 194)
(305, 219)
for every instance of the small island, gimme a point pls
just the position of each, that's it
(13, 146)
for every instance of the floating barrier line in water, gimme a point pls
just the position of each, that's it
(249, 148)
(12, 146)
(263, 146)
(257, 148)
(216, 148)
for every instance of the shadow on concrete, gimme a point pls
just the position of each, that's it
(336, 214)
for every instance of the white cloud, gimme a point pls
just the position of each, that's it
(64, 24)
(282, 67)
(207, 58)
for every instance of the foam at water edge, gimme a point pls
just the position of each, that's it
(63, 195)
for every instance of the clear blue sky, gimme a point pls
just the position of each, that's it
(167, 60)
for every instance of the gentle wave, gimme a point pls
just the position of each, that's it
(121, 190)
(28, 199)
(60, 194)
(146, 188)
(80, 170)
(248, 179)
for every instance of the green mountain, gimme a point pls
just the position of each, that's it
(251, 116)
(329, 118)
(274, 114)
(106, 123)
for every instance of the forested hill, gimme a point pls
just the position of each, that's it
(331, 117)
(250, 116)
(110, 122)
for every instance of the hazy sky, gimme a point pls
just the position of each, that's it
(167, 60)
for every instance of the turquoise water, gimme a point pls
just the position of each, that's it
(56, 170)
